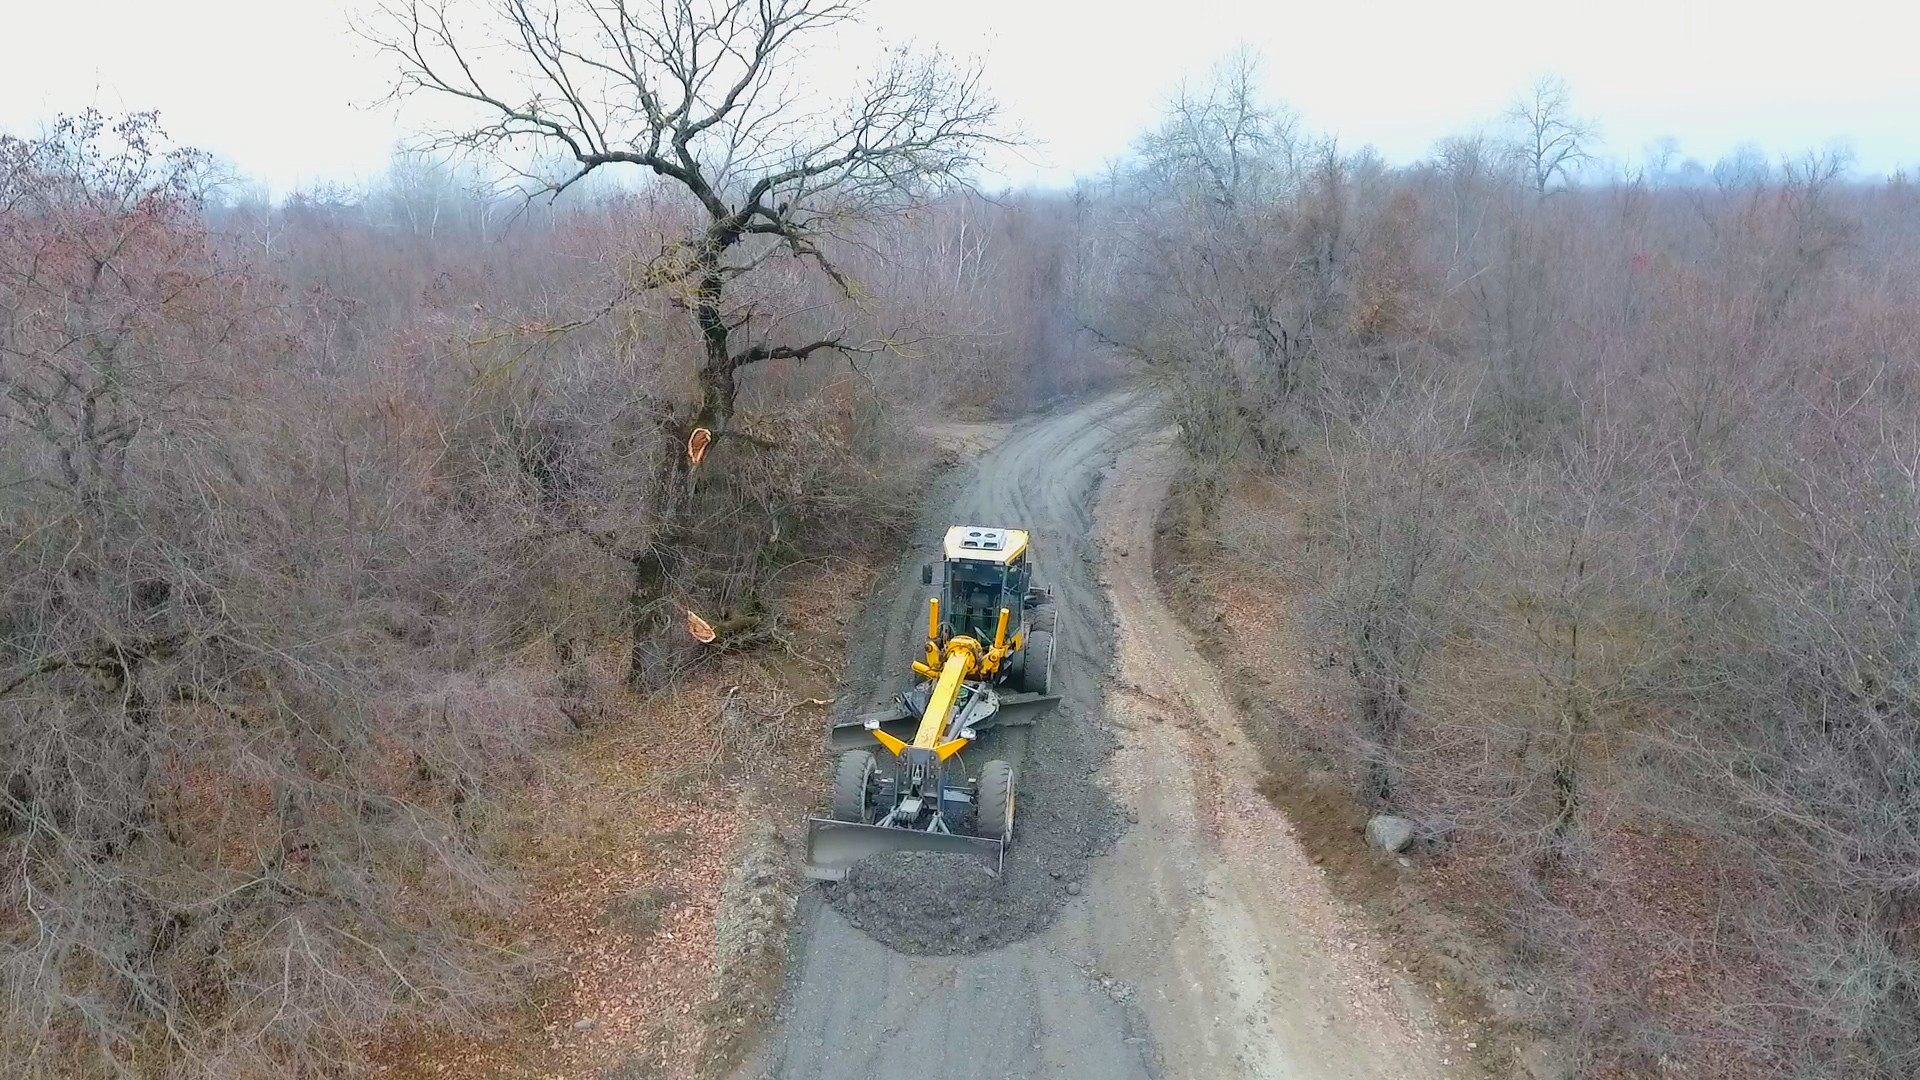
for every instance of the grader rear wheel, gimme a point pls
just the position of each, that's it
(1036, 672)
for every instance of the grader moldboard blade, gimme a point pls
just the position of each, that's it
(1014, 710)
(834, 846)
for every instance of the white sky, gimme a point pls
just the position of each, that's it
(283, 90)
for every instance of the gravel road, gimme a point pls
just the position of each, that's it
(1202, 944)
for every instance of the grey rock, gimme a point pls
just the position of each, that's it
(1389, 832)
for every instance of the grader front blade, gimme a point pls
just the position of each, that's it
(834, 846)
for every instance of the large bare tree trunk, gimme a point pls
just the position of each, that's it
(695, 92)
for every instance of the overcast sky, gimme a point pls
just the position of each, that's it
(284, 91)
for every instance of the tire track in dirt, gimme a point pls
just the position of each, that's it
(1242, 963)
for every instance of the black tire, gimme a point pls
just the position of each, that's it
(855, 781)
(1046, 617)
(1036, 662)
(993, 802)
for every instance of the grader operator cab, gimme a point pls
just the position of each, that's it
(987, 572)
(988, 664)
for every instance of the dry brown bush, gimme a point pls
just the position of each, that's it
(250, 763)
(321, 520)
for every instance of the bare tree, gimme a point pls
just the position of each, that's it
(1552, 141)
(700, 94)
(1228, 251)
(704, 96)
(1221, 142)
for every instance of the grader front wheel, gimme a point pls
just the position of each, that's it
(854, 784)
(994, 802)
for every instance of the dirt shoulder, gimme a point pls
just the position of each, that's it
(1243, 960)
(1440, 929)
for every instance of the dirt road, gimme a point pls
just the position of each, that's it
(1203, 943)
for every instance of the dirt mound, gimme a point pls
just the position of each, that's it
(923, 902)
(749, 947)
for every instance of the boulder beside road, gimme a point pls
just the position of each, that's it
(1389, 832)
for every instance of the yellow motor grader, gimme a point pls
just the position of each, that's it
(988, 663)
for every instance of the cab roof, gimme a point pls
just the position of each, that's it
(981, 543)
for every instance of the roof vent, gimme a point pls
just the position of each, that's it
(983, 539)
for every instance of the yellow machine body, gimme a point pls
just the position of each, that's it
(974, 675)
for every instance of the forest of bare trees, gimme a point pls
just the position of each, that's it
(1611, 509)
(326, 516)
(323, 518)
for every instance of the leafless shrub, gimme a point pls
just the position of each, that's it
(1806, 727)
(1612, 503)
(323, 519)
(1396, 533)
(236, 832)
